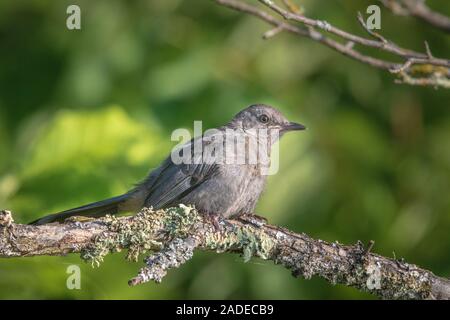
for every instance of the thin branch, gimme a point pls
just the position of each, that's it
(371, 32)
(172, 236)
(435, 80)
(313, 29)
(272, 32)
(383, 44)
(418, 9)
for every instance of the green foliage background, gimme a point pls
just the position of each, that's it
(85, 114)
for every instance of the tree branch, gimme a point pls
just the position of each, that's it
(432, 71)
(418, 9)
(171, 236)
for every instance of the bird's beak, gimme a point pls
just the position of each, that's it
(292, 126)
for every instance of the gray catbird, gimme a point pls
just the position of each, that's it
(215, 188)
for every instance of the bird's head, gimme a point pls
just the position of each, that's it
(260, 116)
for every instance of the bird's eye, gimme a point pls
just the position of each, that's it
(264, 118)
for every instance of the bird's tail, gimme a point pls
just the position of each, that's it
(96, 209)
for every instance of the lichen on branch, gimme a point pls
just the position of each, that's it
(138, 234)
(171, 236)
(179, 231)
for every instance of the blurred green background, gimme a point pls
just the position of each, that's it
(85, 114)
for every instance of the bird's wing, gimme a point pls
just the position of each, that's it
(174, 181)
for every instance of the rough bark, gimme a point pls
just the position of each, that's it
(171, 237)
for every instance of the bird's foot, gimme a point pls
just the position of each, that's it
(253, 219)
(217, 221)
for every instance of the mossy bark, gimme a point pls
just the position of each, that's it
(171, 236)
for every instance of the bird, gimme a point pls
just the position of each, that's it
(215, 188)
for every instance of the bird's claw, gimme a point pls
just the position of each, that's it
(217, 221)
(253, 219)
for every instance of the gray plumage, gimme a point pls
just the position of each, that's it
(213, 187)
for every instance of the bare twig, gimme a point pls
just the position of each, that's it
(171, 236)
(316, 30)
(272, 32)
(435, 80)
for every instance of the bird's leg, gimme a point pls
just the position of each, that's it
(216, 219)
(253, 219)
